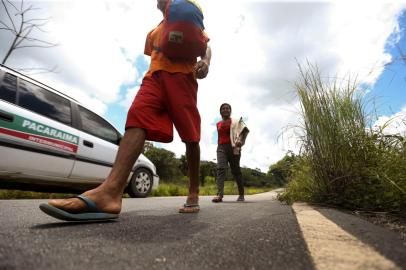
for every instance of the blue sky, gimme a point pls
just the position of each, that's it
(390, 89)
(256, 45)
(115, 112)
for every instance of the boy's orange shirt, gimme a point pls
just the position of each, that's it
(159, 61)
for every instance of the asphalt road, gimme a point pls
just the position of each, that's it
(260, 233)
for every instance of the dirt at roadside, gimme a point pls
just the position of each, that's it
(394, 222)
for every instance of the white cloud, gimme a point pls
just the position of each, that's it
(394, 124)
(255, 48)
(131, 93)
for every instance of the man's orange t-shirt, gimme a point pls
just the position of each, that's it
(159, 61)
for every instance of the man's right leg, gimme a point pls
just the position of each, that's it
(193, 160)
(222, 164)
(108, 195)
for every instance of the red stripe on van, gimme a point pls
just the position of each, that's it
(41, 140)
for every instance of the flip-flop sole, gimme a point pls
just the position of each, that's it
(66, 216)
(189, 210)
(216, 201)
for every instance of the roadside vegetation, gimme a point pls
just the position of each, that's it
(344, 160)
(230, 188)
(174, 180)
(163, 190)
(6, 194)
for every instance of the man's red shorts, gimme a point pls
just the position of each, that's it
(166, 99)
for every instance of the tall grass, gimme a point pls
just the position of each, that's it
(344, 161)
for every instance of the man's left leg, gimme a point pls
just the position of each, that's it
(193, 159)
(181, 105)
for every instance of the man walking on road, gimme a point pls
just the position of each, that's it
(231, 137)
(167, 97)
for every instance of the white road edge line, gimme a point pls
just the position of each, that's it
(333, 248)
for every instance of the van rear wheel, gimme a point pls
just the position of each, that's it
(140, 185)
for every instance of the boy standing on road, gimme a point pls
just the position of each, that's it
(167, 97)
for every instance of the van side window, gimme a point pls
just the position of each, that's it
(44, 102)
(97, 126)
(8, 87)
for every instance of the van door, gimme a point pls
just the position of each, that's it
(36, 138)
(98, 147)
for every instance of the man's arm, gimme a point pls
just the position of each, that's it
(202, 67)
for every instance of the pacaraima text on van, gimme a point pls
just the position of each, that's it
(50, 131)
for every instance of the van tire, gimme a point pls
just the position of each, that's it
(140, 185)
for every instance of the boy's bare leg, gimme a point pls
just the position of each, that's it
(193, 160)
(108, 195)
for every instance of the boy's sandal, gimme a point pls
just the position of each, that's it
(217, 199)
(189, 208)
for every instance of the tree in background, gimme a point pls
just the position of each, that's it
(172, 169)
(281, 171)
(255, 178)
(167, 165)
(183, 165)
(147, 146)
(207, 168)
(18, 23)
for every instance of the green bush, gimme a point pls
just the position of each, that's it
(210, 180)
(170, 189)
(344, 161)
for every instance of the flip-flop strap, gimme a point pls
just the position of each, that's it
(91, 205)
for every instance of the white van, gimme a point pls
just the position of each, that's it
(50, 139)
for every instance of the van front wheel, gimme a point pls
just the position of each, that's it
(140, 185)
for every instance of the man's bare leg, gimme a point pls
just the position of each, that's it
(193, 160)
(108, 195)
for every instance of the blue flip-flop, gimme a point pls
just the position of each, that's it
(93, 213)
